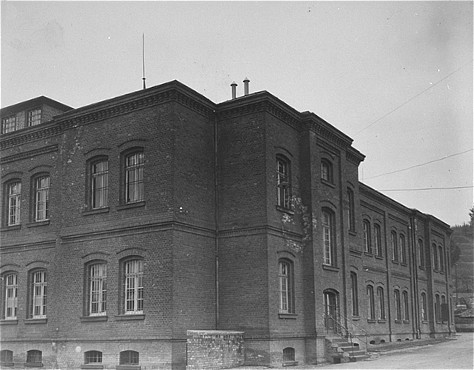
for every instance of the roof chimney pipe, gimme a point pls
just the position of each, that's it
(246, 86)
(234, 90)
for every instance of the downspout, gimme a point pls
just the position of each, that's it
(388, 258)
(216, 222)
(414, 266)
(343, 234)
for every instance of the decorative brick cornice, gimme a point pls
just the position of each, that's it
(29, 154)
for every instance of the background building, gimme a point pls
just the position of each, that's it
(127, 222)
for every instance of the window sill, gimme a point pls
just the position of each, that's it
(7, 364)
(285, 210)
(92, 366)
(10, 228)
(128, 367)
(421, 267)
(368, 254)
(356, 318)
(379, 257)
(289, 363)
(9, 322)
(395, 262)
(328, 183)
(33, 364)
(406, 321)
(330, 268)
(353, 232)
(38, 223)
(371, 321)
(381, 321)
(96, 211)
(36, 321)
(403, 264)
(398, 321)
(94, 318)
(355, 251)
(131, 205)
(137, 316)
(291, 316)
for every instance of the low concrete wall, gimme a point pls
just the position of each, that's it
(214, 349)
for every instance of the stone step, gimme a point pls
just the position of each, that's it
(357, 353)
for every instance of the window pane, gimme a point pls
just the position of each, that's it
(134, 286)
(42, 198)
(14, 193)
(99, 184)
(134, 178)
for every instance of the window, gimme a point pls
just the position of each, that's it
(441, 259)
(97, 285)
(367, 237)
(99, 183)
(38, 294)
(394, 246)
(381, 300)
(283, 183)
(351, 209)
(326, 171)
(129, 358)
(424, 312)
(421, 253)
(435, 257)
(34, 357)
(6, 357)
(437, 308)
(10, 295)
(406, 307)
(355, 294)
(285, 275)
(133, 286)
(403, 249)
(288, 354)
(398, 308)
(378, 240)
(134, 165)
(41, 204)
(8, 124)
(328, 238)
(93, 357)
(370, 297)
(14, 193)
(33, 117)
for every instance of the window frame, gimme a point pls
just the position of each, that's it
(437, 304)
(10, 302)
(421, 253)
(354, 294)
(98, 195)
(40, 197)
(129, 360)
(378, 240)
(394, 244)
(371, 315)
(434, 249)
(34, 117)
(7, 124)
(137, 187)
(35, 298)
(283, 186)
(327, 174)
(441, 258)
(286, 286)
(96, 288)
(406, 306)
(138, 300)
(12, 196)
(6, 358)
(402, 248)
(329, 237)
(424, 307)
(398, 306)
(351, 209)
(367, 236)
(32, 357)
(381, 300)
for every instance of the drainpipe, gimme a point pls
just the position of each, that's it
(216, 221)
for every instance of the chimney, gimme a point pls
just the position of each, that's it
(246, 86)
(234, 90)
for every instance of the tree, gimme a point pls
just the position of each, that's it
(455, 252)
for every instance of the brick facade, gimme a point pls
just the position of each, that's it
(212, 239)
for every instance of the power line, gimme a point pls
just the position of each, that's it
(422, 189)
(412, 98)
(421, 164)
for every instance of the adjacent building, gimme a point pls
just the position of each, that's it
(128, 222)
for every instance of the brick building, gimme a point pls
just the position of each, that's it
(127, 222)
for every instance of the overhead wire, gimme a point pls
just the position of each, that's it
(439, 188)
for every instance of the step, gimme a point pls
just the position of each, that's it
(356, 353)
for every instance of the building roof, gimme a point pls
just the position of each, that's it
(32, 103)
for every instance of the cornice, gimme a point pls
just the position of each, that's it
(370, 206)
(354, 156)
(29, 154)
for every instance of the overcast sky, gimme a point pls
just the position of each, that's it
(397, 77)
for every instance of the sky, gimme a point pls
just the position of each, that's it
(397, 77)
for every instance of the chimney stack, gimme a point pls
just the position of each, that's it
(234, 90)
(246, 86)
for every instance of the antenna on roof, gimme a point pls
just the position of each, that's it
(143, 58)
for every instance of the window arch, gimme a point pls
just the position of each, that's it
(286, 284)
(133, 290)
(10, 296)
(378, 240)
(351, 209)
(96, 275)
(328, 224)
(393, 239)
(421, 253)
(288, 354)
(371, 302)
(41, 187)
(92, 357)
(367, 237)
(129, 358)
(283, 182)
(327, 171)
(403, 249)
(37, 297)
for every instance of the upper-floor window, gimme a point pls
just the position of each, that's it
(421, 253)
(41, 193)
(133, 286)
(355, 294)
(403, 249)
(129, 358)
(381, 299)
(13, 203)
(329, 252)
(283, 182)
(393, 238)
(10, 296)
(437, 308)
(435, 257)
(371, 302)
(351, 209)
(398, 306)
(378, 240)
(99, 174)
(8, 124)
(97, 289)
(367, 237)
(285, 276)
(134, 166)
(33, 117)
(406, 306)
(38, 294)
(441, 258)
(424, 306)
(327, 171)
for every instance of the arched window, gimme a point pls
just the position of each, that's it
(437, 308)
(424, 306)
(398, 306)
(134, 164)
(355, 294)
(97, 288)
(371, 302)
(393, 238)
(133, 286)
(92, 357)
(367, 237)
(13, 202)
(129, 358)
(403, 249)
(441, 258)
(326, 171)
(378, 241)
(329, 253)
(351, 209)
(285, 276)
(283, 182)
(421, 253)
(381, 300)
(288, 354)
(99, 182)
(34, 357)
(435, 257)
(38, 290)
(406, 307)
(41, 198)
(10, 296)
